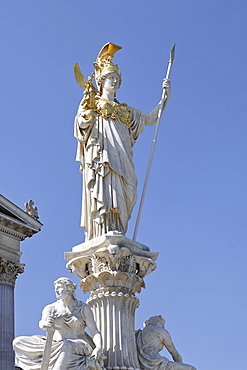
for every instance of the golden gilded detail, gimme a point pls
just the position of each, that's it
(103, 64)
(92, 102)
(88, 102)
(113, 110)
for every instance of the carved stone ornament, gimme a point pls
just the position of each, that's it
(31, 209)
(9, 227)
(111, 263)
(9, 271)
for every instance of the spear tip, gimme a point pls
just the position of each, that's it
(172, 53)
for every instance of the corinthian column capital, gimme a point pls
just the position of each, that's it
(113, 253)
(9, 271)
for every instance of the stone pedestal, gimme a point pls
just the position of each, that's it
(112, 268)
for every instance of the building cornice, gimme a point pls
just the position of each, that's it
(16, 222)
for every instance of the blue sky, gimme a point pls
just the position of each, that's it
(195, 209)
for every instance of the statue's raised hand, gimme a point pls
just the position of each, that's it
(166, 83)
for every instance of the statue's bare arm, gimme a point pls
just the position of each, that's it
(168, 343)
(152, 117)
(97, 339)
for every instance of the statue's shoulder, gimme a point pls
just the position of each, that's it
(81, 307)
(49, 309)
(51, 306)
(81, 304)
(154, 330)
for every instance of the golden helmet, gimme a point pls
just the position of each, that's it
(103, 64)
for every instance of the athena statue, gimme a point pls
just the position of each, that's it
(106, 131)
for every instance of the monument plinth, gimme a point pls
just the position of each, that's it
(112, 268)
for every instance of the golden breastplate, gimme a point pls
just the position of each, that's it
(113, 110)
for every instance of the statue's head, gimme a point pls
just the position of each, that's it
(67, 284)
(155, 320)
(110, 81)
(104, 68)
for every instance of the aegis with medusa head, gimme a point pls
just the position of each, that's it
(106, 131)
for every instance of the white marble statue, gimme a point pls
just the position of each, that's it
(71, 346)
(106, 132)
(151, 340)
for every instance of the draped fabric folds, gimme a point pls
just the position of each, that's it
(109, 179)
(30, 352)
(71, 336)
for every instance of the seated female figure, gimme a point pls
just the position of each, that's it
(71, 347)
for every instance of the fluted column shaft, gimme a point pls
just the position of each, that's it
(114, 313)
(6, 327)
(8, 273)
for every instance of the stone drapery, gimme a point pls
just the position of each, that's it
(109, 180)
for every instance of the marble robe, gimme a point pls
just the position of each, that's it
(109, 179)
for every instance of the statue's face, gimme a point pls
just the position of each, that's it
(112, 82)
(61, 291)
